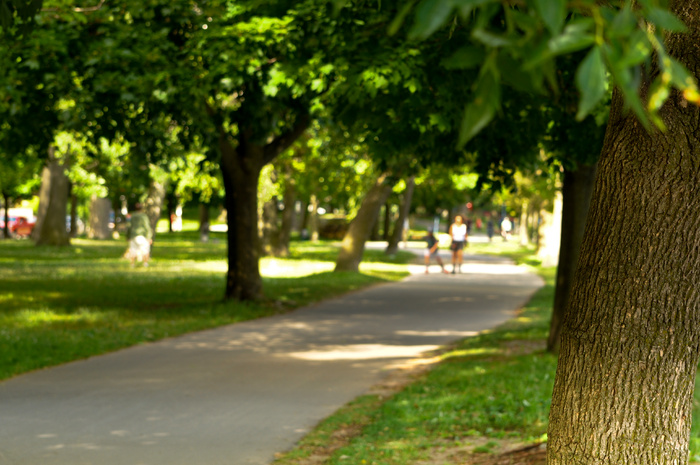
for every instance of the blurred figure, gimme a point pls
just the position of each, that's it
(458, 233)
(432, 251)
(140, 236)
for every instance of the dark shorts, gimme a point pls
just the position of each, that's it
(456, 245)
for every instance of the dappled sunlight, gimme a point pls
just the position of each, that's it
(33, 318)
(438, 333)
(276, 268)
(362, 352)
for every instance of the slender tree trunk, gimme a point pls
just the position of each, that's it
(313, 218)
(289, 199)
(73, 213)
(623, 392)
(204, 219)
(387, 221)
(154, 203)
(52, 230)
(524, 238)
(6, 227)
(353, 245)
(576, 192)
(269, 227)
(393, 245)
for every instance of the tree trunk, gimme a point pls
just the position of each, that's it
(524, 238)
(99, 218)
(313, 218)
(154, 203)
(73, 213)
(241, 174)
(576, 192)
(6, 219)
(550, 233)
(52, 230)
(204, 219)
(269, 227)
(623, 393)
(289, 199)
(387, 221)
(396, 235)
(353, 245)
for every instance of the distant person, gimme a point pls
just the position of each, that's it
(490, 229)
(432, 251)
(506, 227)
(458, 233)
(140, 236)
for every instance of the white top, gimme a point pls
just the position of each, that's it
(459, 233)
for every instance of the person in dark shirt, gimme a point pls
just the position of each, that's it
(432, 251)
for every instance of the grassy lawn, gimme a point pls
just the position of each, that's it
(63, 304)
(485, 401)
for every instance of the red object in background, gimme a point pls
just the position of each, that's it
(19, 226)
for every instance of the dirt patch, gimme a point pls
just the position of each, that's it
(487, 451)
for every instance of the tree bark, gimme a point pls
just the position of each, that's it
(405, 208)
(52, 230)
(353, 245)
(576, 192)
(240, 167)
(6, 219)
(313, 218)
(270, 231)
(387, 221)
(98, 227)
(154, 203)
(73, 213)
(623, 392)
(289, 199)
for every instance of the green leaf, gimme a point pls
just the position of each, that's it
(467, 6)
(553, 13)
(491, 39)
(623, 24)
(666, 20)
(464, 58)
(590, 80)
(678, 75)
(576, 36)
(400, 17)
(480, 112)
(430, 16)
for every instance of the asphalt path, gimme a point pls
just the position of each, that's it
(236, 395)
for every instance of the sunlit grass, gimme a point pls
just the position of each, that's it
(59, 304)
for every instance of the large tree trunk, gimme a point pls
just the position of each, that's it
(353, 245)
(630, 342)
(393, 245)
(240, 167)
(54, 204)
(241, 174)
(576, 192)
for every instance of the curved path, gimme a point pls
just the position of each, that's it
(238, 394)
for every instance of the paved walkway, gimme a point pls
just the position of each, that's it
(238, 394)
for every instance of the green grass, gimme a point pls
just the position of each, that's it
(486, 391)
(63, 304)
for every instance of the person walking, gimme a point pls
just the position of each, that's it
(432, 251)
(140, 236)
(458, 233)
